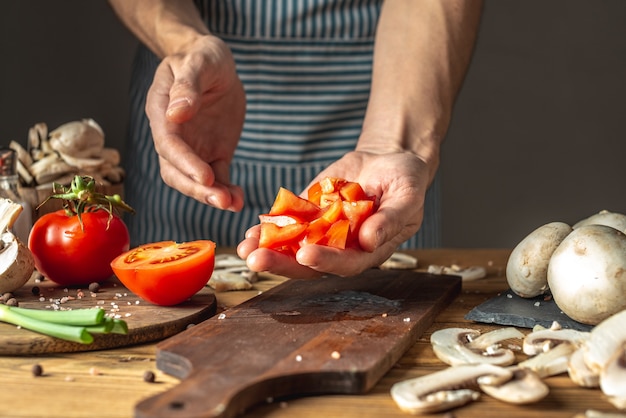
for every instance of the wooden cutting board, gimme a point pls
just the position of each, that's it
(146, 322)
(329, 335)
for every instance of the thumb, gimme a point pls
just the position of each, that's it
(184, 101)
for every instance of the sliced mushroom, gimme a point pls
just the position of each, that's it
(525, 387)
(613, 378)
(550, 363)
(543, 340)
(231, 273)
(579, 372)
(399, 261)
(80, 139)
(447, 388)
(456, 346)
(16, 261)
(605, 340)
(467, 273)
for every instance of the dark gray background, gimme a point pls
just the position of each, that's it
(537, 134)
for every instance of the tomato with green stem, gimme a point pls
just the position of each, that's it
(75, 245)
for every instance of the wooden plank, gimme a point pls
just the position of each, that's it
(146, 322)
(329, 335)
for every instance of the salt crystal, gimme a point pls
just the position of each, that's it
(221, 316)
(298, 358)
(336, 355)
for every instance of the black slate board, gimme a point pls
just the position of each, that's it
(509, 309)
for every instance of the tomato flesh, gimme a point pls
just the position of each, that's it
(166, 273)
(332, 216)
(70, 254)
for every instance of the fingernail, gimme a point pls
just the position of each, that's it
(380, 237)
(212, 199)
(178, 103)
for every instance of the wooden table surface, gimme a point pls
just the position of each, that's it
(109, 383)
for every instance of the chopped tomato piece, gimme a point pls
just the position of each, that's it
(331, 216)
(337, 234)
(314, 193)
(288, 203)
(333, 212)
(316, 232)
(352, 192)
(274, 236)
(357, 212)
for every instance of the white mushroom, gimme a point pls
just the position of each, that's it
(550, 363)
(604, 217)
(231, 273)
(587, 273)
(527, 266)
(80, 139)
(467, 273)
(613, 378)
(605, 354)
(579, 372)
(399, 261)
(525, 387)
(456, 346)
(16, 261)
(543, 340)
(446, 389)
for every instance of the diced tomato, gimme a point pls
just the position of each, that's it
(357, 212)
(280, 220)
(337, 234)
(315, 232)
(314, 193)
(332, 216)
(352, 192)
(333, 212)
(274, 236)
(288, 203)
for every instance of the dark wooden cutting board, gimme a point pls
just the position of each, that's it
(329, 335)
(146, 322)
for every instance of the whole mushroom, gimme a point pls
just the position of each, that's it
(527, 266)
(587, 273)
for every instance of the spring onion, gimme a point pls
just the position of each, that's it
(75, 325)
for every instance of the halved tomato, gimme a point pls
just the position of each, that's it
(166, 273)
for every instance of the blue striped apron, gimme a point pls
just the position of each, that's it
(306, 68)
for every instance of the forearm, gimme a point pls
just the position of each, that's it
(422, 51)
(164, 26)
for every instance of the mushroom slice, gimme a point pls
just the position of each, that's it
(447, 388)
(525, 387)
(613, 378)
(231, 273)
(399, 261)
(467, 273)
(457, 346)
(579, 372)
(605, 340)
(16, 261)
(550, 363)
(543, 340)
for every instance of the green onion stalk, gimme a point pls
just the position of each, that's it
(76, 325)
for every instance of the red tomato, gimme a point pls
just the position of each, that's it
(69, 254)
(274, 236)
(166, 273)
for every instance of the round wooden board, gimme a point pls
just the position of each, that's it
(146, 322)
